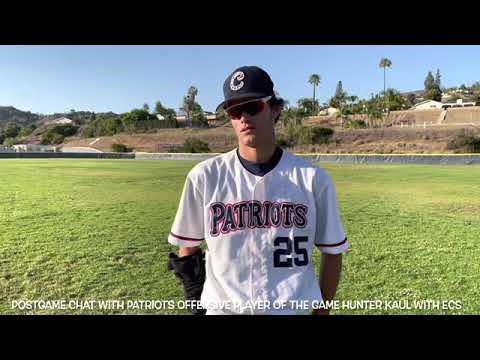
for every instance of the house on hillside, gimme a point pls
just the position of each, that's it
(182, 118)
(328, 111)
(427, 105)
(459, 103)
(62, 120)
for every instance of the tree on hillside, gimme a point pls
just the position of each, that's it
(192, 94)
(146, 107)
(475, 86)
(315, 81)
(340, 97)
(10, 130)
(395, 100)
(292, 116)
(432, 92)
(438, 80)
(188, 104)
(198, 117)
(410, 101)
(374, 114)
(169, 115)
(137, 120)
(158, 109)
(385, 63)
(429, 82)
(307, 106)
(24, 132)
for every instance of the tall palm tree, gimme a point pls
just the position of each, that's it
(192, 93)
(385, 63)
(314, 79)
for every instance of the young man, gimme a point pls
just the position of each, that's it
(260, 211)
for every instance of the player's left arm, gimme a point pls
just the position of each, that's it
(331, 241)
(188, 234)
(330, 270)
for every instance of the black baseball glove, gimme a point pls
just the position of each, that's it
(191, 272)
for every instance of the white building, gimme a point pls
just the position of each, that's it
(62, 120)
(328, 112)
(427, 105)
(34, 148)
(458, 104)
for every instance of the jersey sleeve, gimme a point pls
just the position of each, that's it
(188, 227)
(330, 236)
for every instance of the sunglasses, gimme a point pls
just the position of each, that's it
(252, 108)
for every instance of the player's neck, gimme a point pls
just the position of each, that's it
(259, 154)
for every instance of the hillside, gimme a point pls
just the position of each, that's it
(393, 140)
(25, 118)
(22, 118)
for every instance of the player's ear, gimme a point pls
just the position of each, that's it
(276, 111)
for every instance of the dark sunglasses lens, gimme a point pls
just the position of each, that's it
(252, 108)
(235, 113)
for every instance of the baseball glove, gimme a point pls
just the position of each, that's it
(190, 270)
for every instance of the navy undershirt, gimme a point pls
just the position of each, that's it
(260, 169)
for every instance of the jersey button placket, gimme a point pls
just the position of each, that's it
(261, 262)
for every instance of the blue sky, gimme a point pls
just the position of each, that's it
(48, 79)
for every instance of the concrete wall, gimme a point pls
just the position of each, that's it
(473, 159)
(417, 117)
(455, 159)
(468, 115)
(59, 155)
(460, 159)
(173, 156)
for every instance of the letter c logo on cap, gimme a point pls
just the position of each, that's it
(238, 76)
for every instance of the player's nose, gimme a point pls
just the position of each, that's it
(246, 118)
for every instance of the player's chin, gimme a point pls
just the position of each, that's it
(249, 140)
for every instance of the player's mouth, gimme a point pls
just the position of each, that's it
(247, 129)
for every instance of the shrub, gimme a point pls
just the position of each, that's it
(356, 124)
(282, 141)
(9, 141)
(24, 132)
(298, 135)
(193, 145)
(65, 129)
(122, 148)
(52, 138)
(464, 143)
(322, 135)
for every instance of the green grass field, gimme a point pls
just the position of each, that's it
(97, 230)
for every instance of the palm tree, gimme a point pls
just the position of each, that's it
(385, 63)
(314, 79)
(192, 93)
(342, 114)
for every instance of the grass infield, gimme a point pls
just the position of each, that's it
(96, 230)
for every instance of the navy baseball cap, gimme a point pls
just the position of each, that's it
(246, 83)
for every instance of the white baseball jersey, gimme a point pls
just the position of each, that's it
(260, 232)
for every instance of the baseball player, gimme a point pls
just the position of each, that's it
(261, 211)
